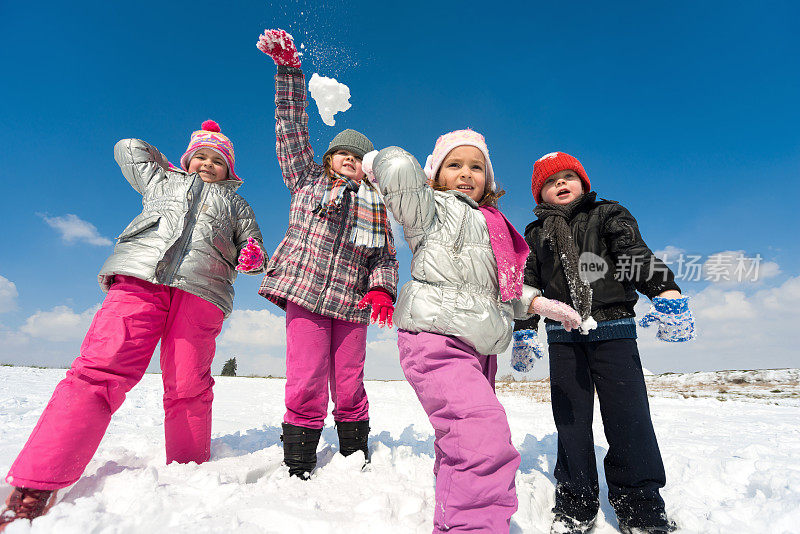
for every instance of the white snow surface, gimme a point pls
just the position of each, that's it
(331, 97)
(731, 466)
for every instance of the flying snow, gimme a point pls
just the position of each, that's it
(331, 97)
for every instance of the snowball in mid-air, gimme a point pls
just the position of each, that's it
(331, 97)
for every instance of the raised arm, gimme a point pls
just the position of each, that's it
(139, 162)
(405, 190)
(295, 155)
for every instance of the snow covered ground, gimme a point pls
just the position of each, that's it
(731, 461)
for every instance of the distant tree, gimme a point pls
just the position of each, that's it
(229, 369)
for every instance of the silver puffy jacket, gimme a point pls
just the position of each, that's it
(453, 289)
(189, 233)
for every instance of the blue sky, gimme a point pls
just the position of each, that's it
(686, 112)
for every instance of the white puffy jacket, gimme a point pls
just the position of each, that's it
(454, 288)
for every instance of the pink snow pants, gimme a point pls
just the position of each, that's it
(475, 460)
(114, 355)
(322, 351)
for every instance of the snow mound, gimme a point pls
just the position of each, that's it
(331, 97)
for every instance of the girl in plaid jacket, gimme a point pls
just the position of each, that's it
(336, 260)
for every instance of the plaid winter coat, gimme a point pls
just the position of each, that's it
(316, 266)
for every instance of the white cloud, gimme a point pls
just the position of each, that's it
(257, 339)
(731, 267)
(383, 356)
(736, 330)
(254, 328)
(8, 295)
(72, 228)
(669, 253)
(59, 324)
(742, 327)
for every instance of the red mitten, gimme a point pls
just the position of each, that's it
(382, 308)
(279, 45)
(557, 311)
(251, 257)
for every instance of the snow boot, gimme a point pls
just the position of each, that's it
(353, 437)
(300, 449)
(26, 503)
(667, 526)
(564, 524)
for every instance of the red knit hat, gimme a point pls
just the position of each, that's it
(551, 163)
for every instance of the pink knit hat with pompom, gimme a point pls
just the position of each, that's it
(454, 139)
(209, 136)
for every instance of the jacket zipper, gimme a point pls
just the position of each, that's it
(198, 199)
(344, 212)
(461, 232)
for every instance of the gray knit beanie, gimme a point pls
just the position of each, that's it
(352, 141)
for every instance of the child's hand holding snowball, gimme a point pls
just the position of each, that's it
(527, 349)
(557, 311)
(279, 45)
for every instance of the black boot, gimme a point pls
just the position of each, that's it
(300, 449)
(564, 524)
(662, 528)
(353, 437)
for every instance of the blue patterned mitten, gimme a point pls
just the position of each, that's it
(675, 321)
(526, 350)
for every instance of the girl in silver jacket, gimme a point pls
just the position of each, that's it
(169, 280)
(455, 315)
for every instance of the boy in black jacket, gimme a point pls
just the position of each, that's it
(589, 253)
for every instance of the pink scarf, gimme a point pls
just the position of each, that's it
(510, 250)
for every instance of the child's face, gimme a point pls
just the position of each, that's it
(562, 187)
(347, 164)
(209, 165)
(464, 169)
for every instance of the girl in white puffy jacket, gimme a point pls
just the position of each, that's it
(169, 280)
(455, 315)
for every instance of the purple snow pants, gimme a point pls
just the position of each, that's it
(114, 355)
(322, 351)
(475, 459)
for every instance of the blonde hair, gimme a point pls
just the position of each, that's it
(327, 165)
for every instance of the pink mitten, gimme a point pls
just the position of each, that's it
(279, 45)
(382, 308)
(251, 257)
(557, 311)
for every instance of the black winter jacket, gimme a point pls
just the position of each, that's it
(609, 231)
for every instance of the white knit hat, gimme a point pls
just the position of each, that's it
(454, 139)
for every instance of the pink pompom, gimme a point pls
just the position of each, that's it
(210, 126)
